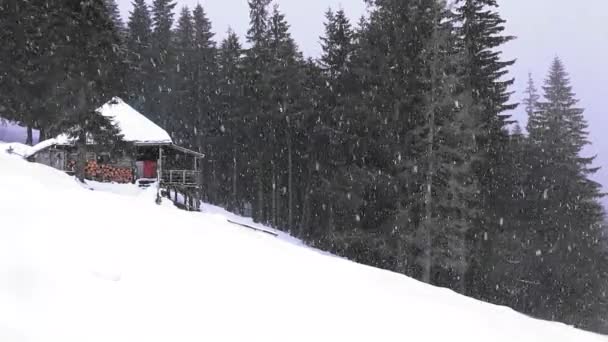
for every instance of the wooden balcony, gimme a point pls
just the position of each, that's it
(181, 178)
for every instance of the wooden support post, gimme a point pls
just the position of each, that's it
(159, 174)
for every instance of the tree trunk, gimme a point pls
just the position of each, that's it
(81, 162)
(260, 193)
(305, 224)
(330, 221)
(428, 195)
(289, 181)
(30, 136)
(41, 134)
(234, 182)
(273, 214)
(462, 280)
(217, 196)
(428, 198)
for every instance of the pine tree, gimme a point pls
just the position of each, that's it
(337, 44)
(31, 72)
(93, 76)
(114, 13)
(9, 73)
(257, 91)
(181, 123)
(330, 85)
(531, 106)
(284, 73)
(141, 81)
(206, 126)
(163, 57)
(406, 66)
(486, 98)
(566, 240)
(231, 110)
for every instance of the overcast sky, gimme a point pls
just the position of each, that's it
(576, 31)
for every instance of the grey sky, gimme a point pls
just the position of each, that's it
(574, 30)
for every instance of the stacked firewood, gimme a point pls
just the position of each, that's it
(108, 173)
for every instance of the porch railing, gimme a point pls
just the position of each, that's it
(180, 177)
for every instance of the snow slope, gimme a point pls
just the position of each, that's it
(89, 265)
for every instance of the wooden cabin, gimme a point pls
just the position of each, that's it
(150, 157)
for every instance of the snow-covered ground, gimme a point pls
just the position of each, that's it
(105, 263)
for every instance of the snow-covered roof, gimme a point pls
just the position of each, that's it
(133, 125)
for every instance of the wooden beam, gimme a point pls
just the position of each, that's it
(253, 228)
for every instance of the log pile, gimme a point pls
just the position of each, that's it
(108, 173)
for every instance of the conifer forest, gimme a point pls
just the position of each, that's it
(394, 148)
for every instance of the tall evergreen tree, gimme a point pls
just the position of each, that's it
(285, 80)
(163, 59)
(257, 91)
(206, 128)
(231, 109)
(93, 76)
(486, 97)
(30, 71)
(566, 240)
(531, 102)
(331, 87)
(114, 13)
(140, 80)
(337, 44)
(181, 124)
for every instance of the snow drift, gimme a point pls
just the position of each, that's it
(82, 265)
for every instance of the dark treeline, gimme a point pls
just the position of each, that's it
(393, 148)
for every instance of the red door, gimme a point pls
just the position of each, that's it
(149, 169)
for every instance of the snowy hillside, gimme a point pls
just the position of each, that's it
(94, 265)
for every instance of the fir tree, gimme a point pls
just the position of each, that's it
(257, 91)
(330, 85)
(93, 75)
(486, 97)
(163, 59)
(206, 126)
(531, 106)
(231, 109)
(114, 13)
(139, 46)
(284, 74)
(337, 44)
(181, 124)
(566, 239)
(29, 73)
